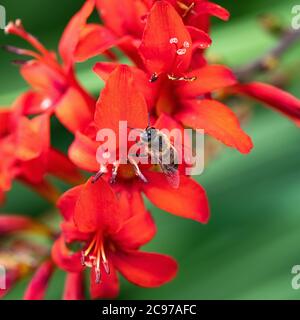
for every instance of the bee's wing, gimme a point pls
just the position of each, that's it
(171, 174)
(170, 170)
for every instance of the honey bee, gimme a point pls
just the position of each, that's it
(158, 146)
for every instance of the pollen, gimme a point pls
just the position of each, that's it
(181, 51)
(173, 40)
(186, 44)
(94, 256)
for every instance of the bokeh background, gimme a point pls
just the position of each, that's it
(248, 248)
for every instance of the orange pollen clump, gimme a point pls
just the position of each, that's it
(94, 255)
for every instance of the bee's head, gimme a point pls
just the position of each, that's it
(149, 134)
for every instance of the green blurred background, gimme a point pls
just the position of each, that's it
(248, 248)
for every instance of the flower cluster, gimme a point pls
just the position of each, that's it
(167, 84)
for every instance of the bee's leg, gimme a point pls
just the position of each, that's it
(99, 174)
(137, 169)
(114, 172)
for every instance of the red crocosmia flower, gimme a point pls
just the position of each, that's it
(27, 155)
(184, 94)
(167, 44)
(119, 100)
(112, 238)
(278, 99)
(54, 87)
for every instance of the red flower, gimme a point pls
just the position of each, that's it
(167, 44)
(119, 100)
(112, 236)
(184, 95)
(54, 87)
(27, 155)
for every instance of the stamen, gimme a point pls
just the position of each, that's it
(82, 258)
(186, 44)
(187, 9)
(20, 51)
(90, 247)
(98, 276)
(17, 29)
(106, 267)
(94, 256)
(182, 78)
(19, 62)
(99, 174)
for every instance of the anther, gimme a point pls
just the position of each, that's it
(98, 276)
(154, 77)
(173, 40)
(186, 44)
(106, 267)
(182, 78)
(82, 258)
(181, 51)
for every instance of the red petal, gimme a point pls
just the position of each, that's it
(145, 269)
(109, 285)
(209, 78)
(73, 111)
(94, 40)
(278, 99)
(119, 100)
(74, 289)
(33, 137)
(70, 37)
(4, 120)
(125, 19)
(104, 69)
(12, 223)
(83, 152)
(217, 120)
(141, 80)
(38, 285)
(43, 78)
(96, 208)
(64, 258)
(200, 39)
(33, 102)
(212, 9)
(139, 227)
(188, 201)
(67, 202)
(159, 54)
(60, 166)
